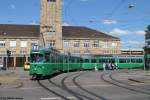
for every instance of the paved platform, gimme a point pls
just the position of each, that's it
(9, 79)
(84, 84)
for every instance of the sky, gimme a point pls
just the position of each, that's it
(113, 17)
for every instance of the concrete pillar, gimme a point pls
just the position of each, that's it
(26, 58)
(14, 62)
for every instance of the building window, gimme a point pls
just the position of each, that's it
(51, 0)
(86, 44)
(13, 52)
(105, 45)
(2, 44)
(12, 43)
(96, 43)
(23, 52)
(50, 43)
(77, 44)
(23, 44)
(114, 45)
(66, 44)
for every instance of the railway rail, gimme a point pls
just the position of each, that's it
(112, 81)
(84, 93)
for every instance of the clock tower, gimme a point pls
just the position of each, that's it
(51, 24)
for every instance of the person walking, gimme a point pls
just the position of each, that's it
(104, 67)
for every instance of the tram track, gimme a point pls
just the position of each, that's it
(63, 87)
(52, 91)
(113, 81)
(85, 90)
(127, 84)
(76, 94)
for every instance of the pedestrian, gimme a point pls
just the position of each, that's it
(116, 66)
(96, 67)
(104, 66)
(112, 66)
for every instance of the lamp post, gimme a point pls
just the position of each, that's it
(130, 57)
(7, 58)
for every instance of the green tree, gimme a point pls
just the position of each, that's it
(147, 35)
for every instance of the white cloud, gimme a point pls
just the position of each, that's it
(121, 32)
(34, 23)
(140, 32)
(12, 6)
(66, 24)
(109, 22)
(132, 44)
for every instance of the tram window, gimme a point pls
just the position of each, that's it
(122, 60)
(127, 60)
(52, 58)
(72, 60)
(37, 58)
(93, 61)
(47, 57)
(133, 60)
(112, 60)
(78, 60)
(139, 61)
(61, 59)
(65, 59)
(104, 60)
(81, 60)
(100, 61)
(86, 60)
(56, 58)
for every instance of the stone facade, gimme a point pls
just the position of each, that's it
(51, 27)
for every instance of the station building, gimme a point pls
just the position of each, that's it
(19, 39)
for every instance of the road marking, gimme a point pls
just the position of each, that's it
(73, 86)
(29, 88)
(137, 84)
(56, 98)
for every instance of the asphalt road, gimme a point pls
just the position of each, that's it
(85, 85)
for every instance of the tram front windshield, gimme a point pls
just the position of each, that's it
(37, 58)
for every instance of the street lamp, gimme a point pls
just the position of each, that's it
(7, 58)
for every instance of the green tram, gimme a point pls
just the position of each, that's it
(119, 61)
(48, 61)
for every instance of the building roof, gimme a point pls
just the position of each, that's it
(83, 32)
(11, 30)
